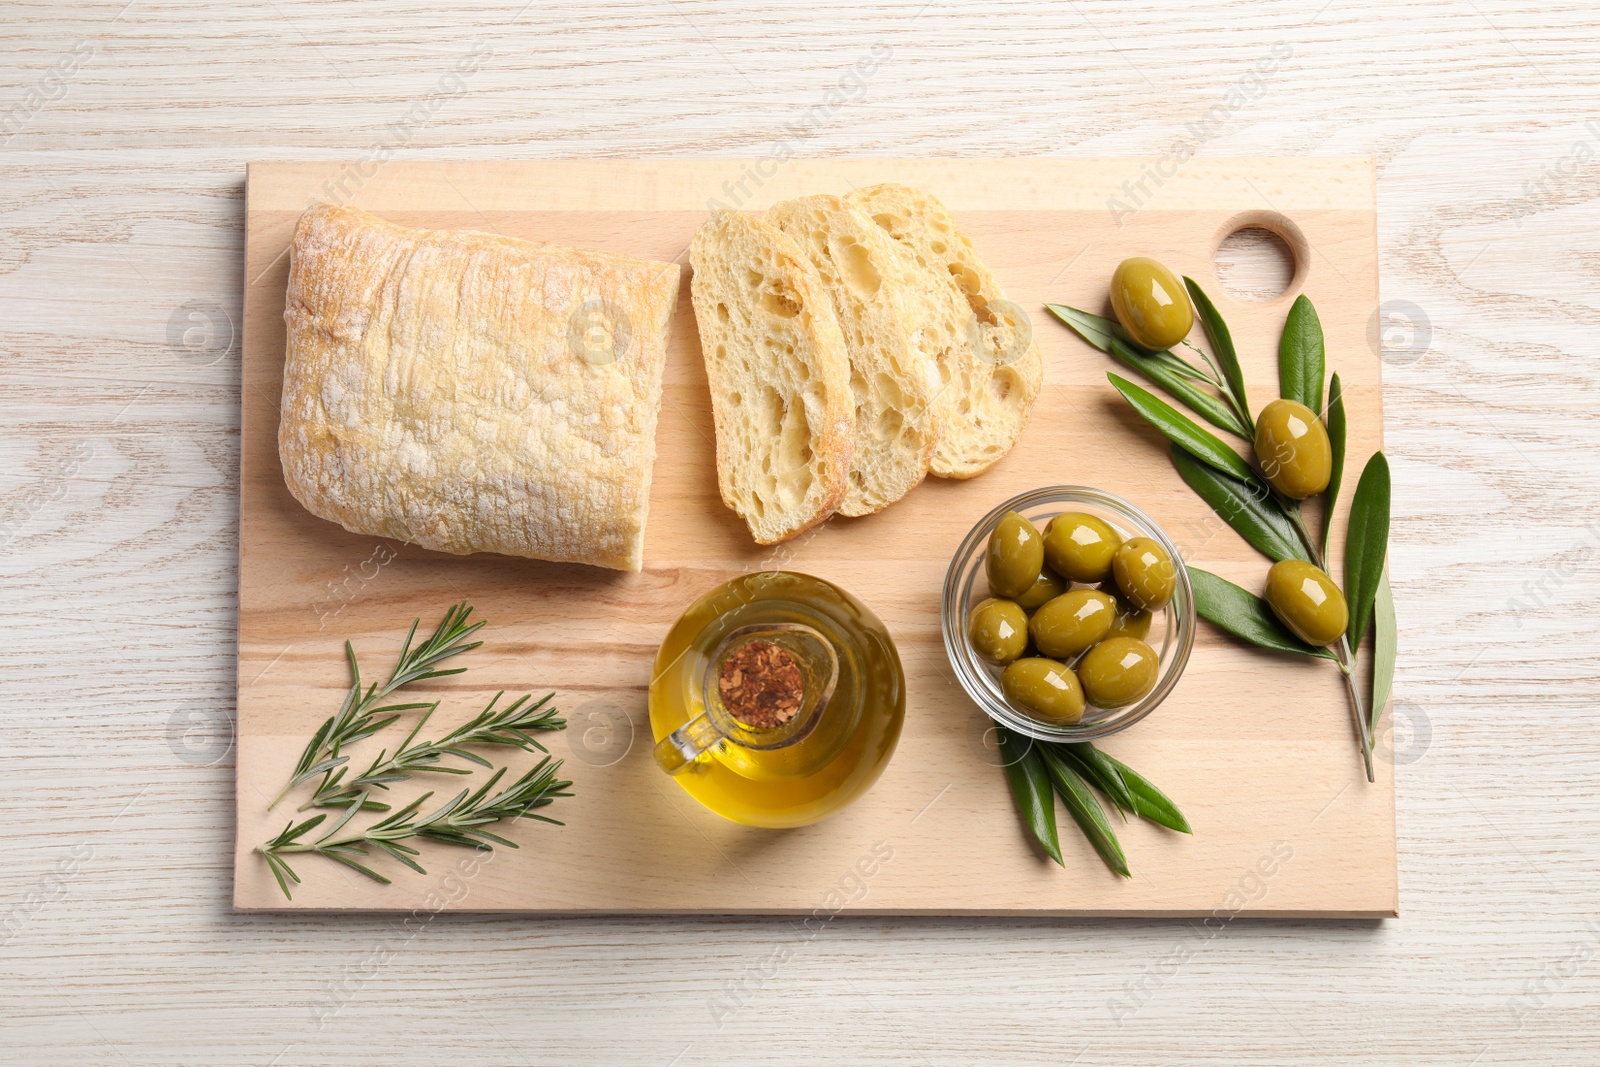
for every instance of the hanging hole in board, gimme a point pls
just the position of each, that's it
(1260, 257)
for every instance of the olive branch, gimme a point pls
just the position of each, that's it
(1242, 494)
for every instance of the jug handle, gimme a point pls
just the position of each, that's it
(687, 743)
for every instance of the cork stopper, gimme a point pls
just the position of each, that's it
(761, 685)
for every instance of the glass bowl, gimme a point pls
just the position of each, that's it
(1171, 629)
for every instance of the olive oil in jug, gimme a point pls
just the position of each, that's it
(776, 699)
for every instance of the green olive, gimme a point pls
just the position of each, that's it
(1292, 445)
(1045, 689)
(998, 630)
(1118, 671)
(1016, 555)
(1130, 623)
(1307, 602)
(1144, 573)
(1072, 622)
(1046, 588)
(1079, 547)
(1151, 303)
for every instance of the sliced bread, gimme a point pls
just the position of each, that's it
(894, 382)
(779, 375)
(998, 371)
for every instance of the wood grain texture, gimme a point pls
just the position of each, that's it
(632, 841)
(123, 227)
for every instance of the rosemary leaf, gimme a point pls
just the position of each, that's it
(457, 821)
(358, 717)
(506, 727)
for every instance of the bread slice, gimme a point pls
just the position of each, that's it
(894, 382)
(780, 378)
(998, 371)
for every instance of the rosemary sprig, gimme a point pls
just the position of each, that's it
(358, 716)
(458, 821)
(508, 726)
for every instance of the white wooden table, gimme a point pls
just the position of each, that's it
(125, 132)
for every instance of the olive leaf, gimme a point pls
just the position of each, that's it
(1096, 329)
(1300, 355)
(1366, 544)
(1091, 763)
(1148, 801)
(1247, 506)
(1222, 347)
(1244, 615)
(1100, 331)
(1167, 370)
(1086, 812)
(1335, 420)
(1030, 784)
(1385, 641)
(1199, 401)
(1182, 430)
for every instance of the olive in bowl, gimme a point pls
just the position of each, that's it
(1130, 622)
(1079, 546)
(1072, 622)
(1046, 588)
(998, 630)
(1118, 671)
(1015, 556)
(1059, 637)
(1143, 573)
(1047, 689)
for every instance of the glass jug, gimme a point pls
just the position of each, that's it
(776, 699)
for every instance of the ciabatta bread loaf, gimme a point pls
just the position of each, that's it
(894, 380)
(998, 373)
(472, 393)
(779, 375)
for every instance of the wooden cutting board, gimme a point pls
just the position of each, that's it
(1255, 748)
